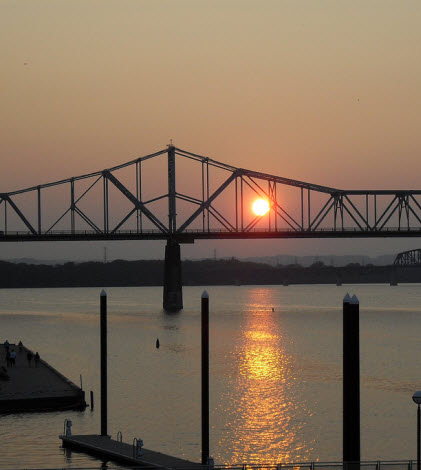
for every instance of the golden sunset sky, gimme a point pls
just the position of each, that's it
(322, 91)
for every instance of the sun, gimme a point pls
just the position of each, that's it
(260, 207)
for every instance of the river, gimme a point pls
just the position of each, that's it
(275, 371)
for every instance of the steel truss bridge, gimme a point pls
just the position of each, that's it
(408, 258)
(144, 200)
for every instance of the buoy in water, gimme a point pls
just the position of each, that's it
(157, 343)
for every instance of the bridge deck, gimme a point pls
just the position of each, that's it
(189, 236)
(122, 452)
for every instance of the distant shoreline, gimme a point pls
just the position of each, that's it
(196, 273)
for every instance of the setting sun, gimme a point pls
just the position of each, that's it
(260, 206)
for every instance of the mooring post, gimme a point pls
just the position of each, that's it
(205, 378)
(351, 380)
(416, 397)
(173, 288)
(104, 363)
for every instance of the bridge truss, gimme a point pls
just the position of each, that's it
(408, 258)
(143, 199)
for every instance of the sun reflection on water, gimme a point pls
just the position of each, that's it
(264, 412)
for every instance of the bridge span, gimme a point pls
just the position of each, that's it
(144, 200)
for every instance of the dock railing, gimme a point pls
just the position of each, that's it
(363, 465)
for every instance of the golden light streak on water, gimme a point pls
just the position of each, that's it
(266, 429)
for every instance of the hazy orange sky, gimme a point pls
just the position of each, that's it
(320, 91)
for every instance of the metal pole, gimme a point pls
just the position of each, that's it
(207, 187)
(242, 204)
(203, 196)
(375, 211)
(5, 217)
(236, 204)
(309, 217)
(39, 209)
(302, 209)
(139, 194)
(351, 380)
(275, 209)
(366, 209)
(72, 206)
(205, 378)
(172, 213)
(103, 363)
(105, 190)
(269, 188)
(418, 439)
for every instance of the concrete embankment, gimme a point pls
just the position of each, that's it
(33, 385)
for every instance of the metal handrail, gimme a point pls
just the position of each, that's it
(379, 464)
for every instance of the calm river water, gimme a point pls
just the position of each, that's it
(276, 387)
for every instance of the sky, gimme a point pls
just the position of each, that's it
(321, 91)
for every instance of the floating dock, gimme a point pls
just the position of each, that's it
(35, 385)
(121, 452)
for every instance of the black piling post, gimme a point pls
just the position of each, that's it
(205, 377)
(92, 400)
(351, 380)
(104, 406)
(416, 397)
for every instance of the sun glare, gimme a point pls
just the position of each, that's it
(260, 206)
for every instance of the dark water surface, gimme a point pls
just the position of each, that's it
(276, 390)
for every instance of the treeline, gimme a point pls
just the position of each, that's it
(121, 273)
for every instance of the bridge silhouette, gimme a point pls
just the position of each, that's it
(408, 258)
(143, 200)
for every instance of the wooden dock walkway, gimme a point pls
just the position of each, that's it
(122, 452)
(34, 386)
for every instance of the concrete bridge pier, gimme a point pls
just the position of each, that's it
(173, 287)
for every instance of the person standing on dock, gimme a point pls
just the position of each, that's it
(13, 358)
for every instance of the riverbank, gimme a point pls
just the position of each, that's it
(206, 272)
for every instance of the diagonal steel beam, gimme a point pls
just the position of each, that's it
(275, 203)
(377, 222)
(321, 215)
(214, 213)
(416, 202)
(352, 217)
(364, 219)
(138, 204)
(7, 198)
(87, 220)
(58, 220)
(208, 202)
(311, 223)
(252, 223)
(393, 210)
(124, 220)
(232, 229)
(415, 214)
